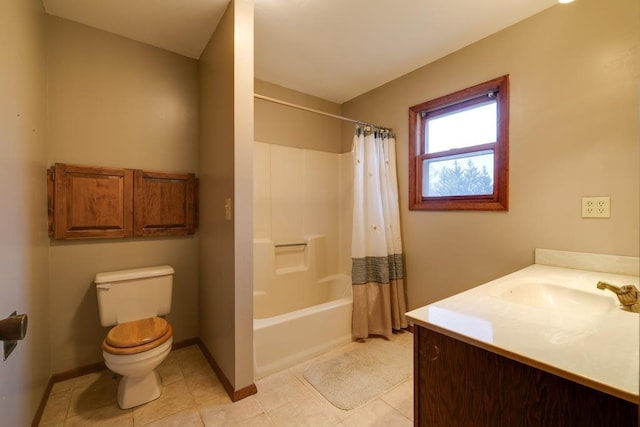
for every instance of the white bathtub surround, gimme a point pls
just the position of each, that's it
(299, 193)
(291, 278)
(552, 317)
(377, 270)
(302, 291)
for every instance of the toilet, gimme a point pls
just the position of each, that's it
(133, 300)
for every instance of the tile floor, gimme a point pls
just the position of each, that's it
(193, 396)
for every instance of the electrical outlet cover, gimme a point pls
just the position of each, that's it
(596, 207)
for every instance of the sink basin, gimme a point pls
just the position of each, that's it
(547, 295)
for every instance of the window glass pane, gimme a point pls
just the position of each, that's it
(462, 175)
(462, 128)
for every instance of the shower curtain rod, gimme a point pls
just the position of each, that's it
(311, 110)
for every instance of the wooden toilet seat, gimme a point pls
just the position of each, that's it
(137, 336)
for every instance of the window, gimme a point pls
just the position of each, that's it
(459, 150)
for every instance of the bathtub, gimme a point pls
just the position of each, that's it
(290, 330)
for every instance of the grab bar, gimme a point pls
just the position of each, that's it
(287, 245)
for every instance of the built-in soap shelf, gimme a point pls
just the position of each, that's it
(280, 261)
(290, 258)
(289, 270)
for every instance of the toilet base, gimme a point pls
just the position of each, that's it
(135, 391)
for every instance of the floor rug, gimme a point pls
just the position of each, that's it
(353, 378)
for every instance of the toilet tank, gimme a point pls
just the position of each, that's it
(139, 293)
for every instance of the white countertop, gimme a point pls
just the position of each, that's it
(590, 340)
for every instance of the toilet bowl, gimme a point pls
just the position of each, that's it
(133, 300)
(135, 354)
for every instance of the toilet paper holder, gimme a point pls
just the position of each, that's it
(13, 329)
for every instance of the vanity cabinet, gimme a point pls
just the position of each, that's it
(86, 202)
(460, 384)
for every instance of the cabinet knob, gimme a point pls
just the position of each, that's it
(433, 352)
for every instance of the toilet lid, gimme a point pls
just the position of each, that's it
(136, 333)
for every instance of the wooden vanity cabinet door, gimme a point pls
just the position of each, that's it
(91, 202)
(165, 204)
(459, 385)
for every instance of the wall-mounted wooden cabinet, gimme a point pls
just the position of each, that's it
(96, 203)
(90, 202)
(164, 203)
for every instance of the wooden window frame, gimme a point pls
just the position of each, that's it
(499, 199)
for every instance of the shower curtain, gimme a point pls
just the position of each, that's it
(377, 269)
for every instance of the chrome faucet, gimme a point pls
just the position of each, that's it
(628, 295)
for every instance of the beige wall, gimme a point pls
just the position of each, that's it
(115, 102)
(226, 165)
(23, 241)
(243, 190)
(573, 132)
(283, 125)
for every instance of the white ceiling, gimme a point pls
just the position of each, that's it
(333, 49)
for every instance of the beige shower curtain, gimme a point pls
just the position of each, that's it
(377, 261)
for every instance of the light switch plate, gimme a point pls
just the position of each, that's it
(227, 209)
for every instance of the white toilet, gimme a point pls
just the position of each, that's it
(132, 300)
